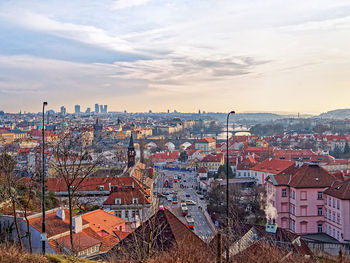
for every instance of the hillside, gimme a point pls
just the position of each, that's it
(336, 114)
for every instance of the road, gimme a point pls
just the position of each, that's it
(186, 185)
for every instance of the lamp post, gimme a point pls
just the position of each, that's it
(227, 193)
(43, 227)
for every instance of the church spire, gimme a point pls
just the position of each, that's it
(131, 153)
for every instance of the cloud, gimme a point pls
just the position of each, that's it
(83, 33)
(31, 79)
(121, 4)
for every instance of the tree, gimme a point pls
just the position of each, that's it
(221, 173)
(183, 157)
(10, 183)
(73, 164)
(27, 200)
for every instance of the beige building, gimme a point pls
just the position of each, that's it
(206, 145)
(6, 137)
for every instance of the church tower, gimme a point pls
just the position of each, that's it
(131, 153)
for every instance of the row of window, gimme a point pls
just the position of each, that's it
(88, 251)
(328, 214)
(118, 201)
(332, 201)
(303, 194)
(333, 232)
(134, 213)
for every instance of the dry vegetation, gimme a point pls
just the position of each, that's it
(183, 254)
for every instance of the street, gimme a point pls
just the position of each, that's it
(185, 185)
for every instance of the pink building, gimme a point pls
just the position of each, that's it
(297, 194)
(337, 211)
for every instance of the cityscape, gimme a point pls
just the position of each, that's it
(174, 131)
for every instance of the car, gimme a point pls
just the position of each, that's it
(189, 222)
(182, 204)
(190, 202)
(169, 198)
(161, 207)
(201, 197)
(188, 195)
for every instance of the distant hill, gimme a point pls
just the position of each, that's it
(257, 116)
(336, 114)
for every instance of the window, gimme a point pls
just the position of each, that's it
(133, 213)
(329, 201)
(338, 235)
(303, 195)
(126, 213)
(325, 200)
(319, 228)
(329, 230)
(284, 192)
(101, 188)
(333, 232)
(135, 201)
(293, 194)
(118, 201)
(333, 203)
(333, 216)
(319, 211)
(118, 213)
(303, 210)
(338, 204)
(293, 210)
(319, 195)
(338, 219)
(330, 215)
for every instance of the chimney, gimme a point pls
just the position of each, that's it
(109, 186)
(271, 226)
(77, 224)
(60, 214)
(132, 184)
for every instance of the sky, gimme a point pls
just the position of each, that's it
(184, 55)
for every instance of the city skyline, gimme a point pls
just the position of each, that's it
(186, 55)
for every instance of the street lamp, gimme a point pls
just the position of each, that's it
(227, 193)
(43, 227)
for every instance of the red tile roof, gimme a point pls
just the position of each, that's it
(203, 170)
(81, 241)
(213, 158)
(90, 183)
(306, 176)
(273, 166)
(340, 190)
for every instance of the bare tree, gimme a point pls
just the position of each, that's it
(73, 164)
(10, 182)
(27, 200)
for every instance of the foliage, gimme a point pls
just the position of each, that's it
(183, 157)
(221, 173)
(267, 129)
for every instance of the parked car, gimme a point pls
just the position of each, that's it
(190, 202)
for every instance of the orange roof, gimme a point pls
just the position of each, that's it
(101, 220)
(206, 140)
